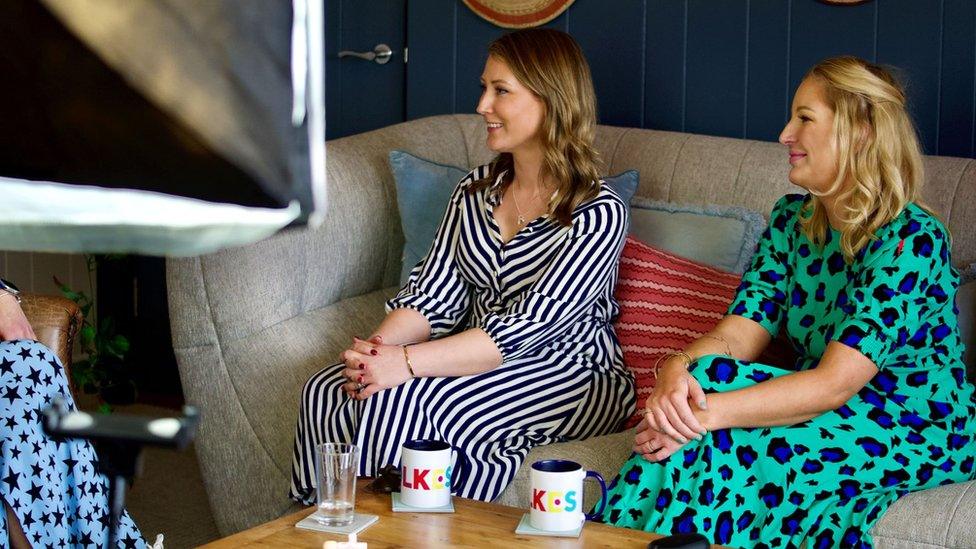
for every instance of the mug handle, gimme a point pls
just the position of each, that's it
(603, 494)
(459, 461)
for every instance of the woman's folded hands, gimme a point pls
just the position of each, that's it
(670, 419)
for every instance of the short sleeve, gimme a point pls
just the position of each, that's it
(761, 295)
(899, 296)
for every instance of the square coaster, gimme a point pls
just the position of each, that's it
(525, 527)
(358, 524)
(400, 507)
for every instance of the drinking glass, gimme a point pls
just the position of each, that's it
(335, 471)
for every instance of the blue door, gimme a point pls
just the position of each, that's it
(361, 94)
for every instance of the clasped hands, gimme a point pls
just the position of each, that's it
(672, 414)
(372, 366)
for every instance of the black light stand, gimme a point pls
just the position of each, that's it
(118, 440)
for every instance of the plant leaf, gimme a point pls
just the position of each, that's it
(87, 335)
(119, 344)
(72, 295)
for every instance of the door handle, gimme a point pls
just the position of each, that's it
(381, 54)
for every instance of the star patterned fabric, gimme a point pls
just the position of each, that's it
(51, 486)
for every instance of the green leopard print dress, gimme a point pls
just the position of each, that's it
(825, 482)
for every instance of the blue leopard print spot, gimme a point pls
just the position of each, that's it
(812, 466)
(833, 455)
(872, 447)
(723, 527)
(779, 450)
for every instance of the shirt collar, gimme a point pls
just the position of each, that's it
(494, 194)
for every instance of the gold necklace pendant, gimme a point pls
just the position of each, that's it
(520, 218)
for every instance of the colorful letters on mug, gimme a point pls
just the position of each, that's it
(418, 478)
(554, 502)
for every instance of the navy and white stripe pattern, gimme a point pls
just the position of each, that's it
(545, 298)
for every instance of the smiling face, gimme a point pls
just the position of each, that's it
(809, 134)
(513, 113)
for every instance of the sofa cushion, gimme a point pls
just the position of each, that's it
(939, 517)
(666, 302)
(968, 274)
(423, 189)
(721, 236)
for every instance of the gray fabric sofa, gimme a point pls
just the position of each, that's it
(251, 324)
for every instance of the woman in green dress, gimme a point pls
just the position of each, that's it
(858, 275)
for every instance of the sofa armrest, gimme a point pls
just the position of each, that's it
(938, 517)
(56, 321)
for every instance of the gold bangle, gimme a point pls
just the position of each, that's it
(728, 349)
(657, 365)
(406, 357)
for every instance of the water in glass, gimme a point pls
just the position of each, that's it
(335, 468)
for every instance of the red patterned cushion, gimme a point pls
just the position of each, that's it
(666, 302)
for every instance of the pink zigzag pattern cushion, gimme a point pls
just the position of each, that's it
(666, 302)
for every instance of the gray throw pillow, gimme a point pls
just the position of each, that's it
(721, 236)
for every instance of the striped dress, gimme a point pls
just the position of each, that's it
(545, 298)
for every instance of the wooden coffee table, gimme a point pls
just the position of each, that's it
(473, 524)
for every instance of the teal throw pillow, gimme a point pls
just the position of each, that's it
(721, 236)
(423, 190)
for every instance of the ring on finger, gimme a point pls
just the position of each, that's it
(360, 387)
(648, 415)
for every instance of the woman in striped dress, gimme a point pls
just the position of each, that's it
(501, 338)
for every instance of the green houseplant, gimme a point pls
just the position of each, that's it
(101, 370)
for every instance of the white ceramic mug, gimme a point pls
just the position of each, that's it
(557, 495)
(426, 471)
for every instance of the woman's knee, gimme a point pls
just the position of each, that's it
(313, 387)
(29, 348)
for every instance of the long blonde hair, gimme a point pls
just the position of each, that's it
(552, 66)
(878, 151)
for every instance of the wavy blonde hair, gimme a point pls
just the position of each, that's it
(552, 66)
(878, 152)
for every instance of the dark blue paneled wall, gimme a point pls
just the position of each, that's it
(719, 67)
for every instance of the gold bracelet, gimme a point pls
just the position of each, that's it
(728, 349)
(406, 357)
(657, 365)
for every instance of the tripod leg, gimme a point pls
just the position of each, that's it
(116, 499)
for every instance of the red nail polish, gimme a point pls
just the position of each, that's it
(360, 379)
(374, 352)
(362, 366)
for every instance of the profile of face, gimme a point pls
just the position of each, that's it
(809, 135)
(513, 113)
